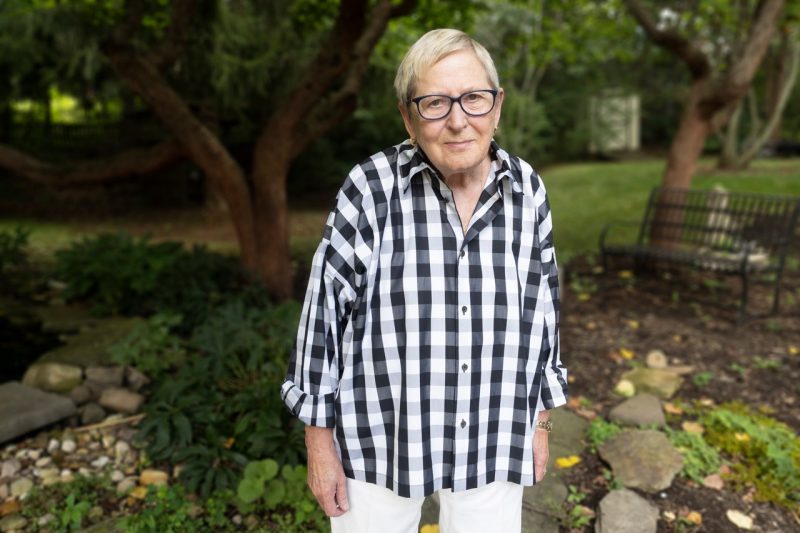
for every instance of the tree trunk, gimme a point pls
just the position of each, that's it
(270, 171)
(689, 140)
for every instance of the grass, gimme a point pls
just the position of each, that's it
(583, 196)
(586, 196)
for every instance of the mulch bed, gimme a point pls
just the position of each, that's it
(691, 317)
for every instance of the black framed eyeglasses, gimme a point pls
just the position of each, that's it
(437, 106)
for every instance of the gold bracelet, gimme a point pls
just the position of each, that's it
(546, 425)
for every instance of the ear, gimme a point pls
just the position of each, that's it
(405, 112)
(498, 105)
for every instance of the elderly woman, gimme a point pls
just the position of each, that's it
(427, 356)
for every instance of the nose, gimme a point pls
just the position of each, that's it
(457, 119)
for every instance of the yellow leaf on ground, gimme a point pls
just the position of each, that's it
(568, 461)
(429, 528)
(139, 492)
(672, 409)
(677, 338)
(741, 437)
(591, 325)
(695, 518)
(693, 427)
(633, 324)
(626, 353)
(584, 297)
(625, 274)
(793, 350)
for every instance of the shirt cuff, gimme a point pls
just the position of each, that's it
(313, 410)
(554, 388)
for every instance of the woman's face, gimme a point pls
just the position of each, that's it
(457, 143)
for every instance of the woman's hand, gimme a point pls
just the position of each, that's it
(541, 450)
(326, 477)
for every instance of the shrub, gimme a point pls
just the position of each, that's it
(169, 509)
(600, 430)
(151, 347)
(14, 265)
(222, 407)
(120, 274)
(699, 459)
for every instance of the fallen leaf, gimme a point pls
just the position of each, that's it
(9, 507)
(724, 470)
(706, 402)
(672, 409)
(588, 414)
(695, 518)
(429, 528)
(571, 378)
(633, 324)
(575, 402)
(693, 427)
(714, 481)
(625, 274)
(591, 325)
(741, 520)
(615, 356)
(669, 516)
(586, 511)
(741, 437)
(677, 338)
(568, 461)
(229, 442)
(793, 350)
(626, 353)
(139, 492)
(584, 297)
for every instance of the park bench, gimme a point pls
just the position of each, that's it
(715, 230)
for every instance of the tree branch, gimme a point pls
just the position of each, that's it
(171, 47)
(338, 105)
(671, 40)
(100, 170)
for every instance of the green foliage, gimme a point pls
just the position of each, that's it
(577, 517)
(701, 379)
(284, 492)
(601, 430)
(14, 265)
(222, 406)
(151, 347)
(120, 274)
(766, 453)
(167, 508)
(69, 503)
(699, 459)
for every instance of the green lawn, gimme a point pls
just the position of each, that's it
(585, 196)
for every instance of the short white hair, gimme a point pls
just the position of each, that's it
(432, 47)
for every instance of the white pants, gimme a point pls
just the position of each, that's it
(374, 509)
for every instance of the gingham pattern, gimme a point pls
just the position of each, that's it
(429, 351)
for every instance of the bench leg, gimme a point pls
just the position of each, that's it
(776, 298)
(743, 304)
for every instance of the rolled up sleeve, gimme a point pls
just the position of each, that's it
(312, 381)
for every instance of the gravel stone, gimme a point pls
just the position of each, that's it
(68, 446)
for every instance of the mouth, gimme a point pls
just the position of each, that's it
(458, 145)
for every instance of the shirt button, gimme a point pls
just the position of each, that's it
(464, 310)
(461, 255)
(463, 423)
(464, 367)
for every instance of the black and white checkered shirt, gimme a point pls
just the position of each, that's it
(431, 351)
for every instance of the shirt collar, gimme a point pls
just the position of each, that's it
(412, 161)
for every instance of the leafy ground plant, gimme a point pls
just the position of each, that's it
(699, 459)
(67, 506)
(601, 430)
(151, 347)
(170, 509)
(765, 452)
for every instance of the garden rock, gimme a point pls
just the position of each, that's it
(641, 410)
(658, 381)
(153, 477)
(23, 409)
(4, 491)
(68, 446)
(135, 379)
(20, 487)
(53, 377)
(567, 436)
(656, 359)
(121, 400)
(91, 413)
(10, 468)
(13, 522)
(112, 376)
(543, 505)
(624, 511)
(642, 459)
(64, 318)
(81, 394)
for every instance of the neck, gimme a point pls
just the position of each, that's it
(469, 180)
